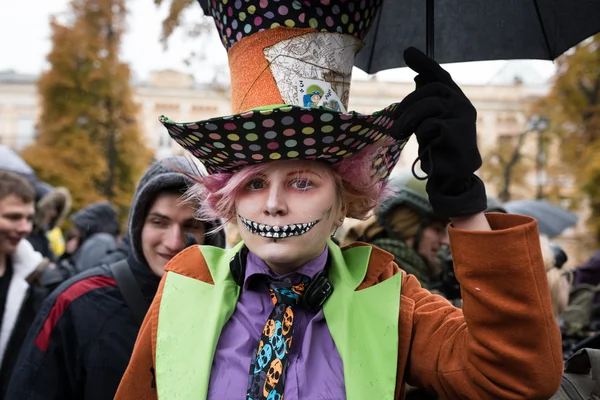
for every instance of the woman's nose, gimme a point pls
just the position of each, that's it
(276, 203)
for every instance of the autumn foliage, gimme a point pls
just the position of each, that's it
(88, 138)
(574, 107)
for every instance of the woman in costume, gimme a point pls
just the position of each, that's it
(287, 312)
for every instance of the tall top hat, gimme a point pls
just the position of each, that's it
(291, 65)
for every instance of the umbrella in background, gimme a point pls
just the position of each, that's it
(475, 30)
(552, 220)
(11, 161)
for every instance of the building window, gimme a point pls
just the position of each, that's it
(25, 132)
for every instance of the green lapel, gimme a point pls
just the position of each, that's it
(199, 311)
(363, 324)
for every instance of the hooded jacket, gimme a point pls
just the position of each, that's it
(48, 199)
(22, 304)
(98, 226)
(81, 342)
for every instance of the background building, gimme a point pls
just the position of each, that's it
(502, 105)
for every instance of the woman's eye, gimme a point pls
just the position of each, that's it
(256, 184)
(301, 184)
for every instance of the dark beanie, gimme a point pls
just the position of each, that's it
(166, 175)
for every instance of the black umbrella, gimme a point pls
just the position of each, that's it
(474, 30)
(552, 220)
(11, 161)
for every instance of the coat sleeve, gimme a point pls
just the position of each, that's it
(139, 380)
(505, 342)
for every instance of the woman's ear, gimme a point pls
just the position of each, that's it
(339, 222)
(341, 216)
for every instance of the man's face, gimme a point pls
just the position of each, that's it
(163, 234)
(287, 213)
(16, 218)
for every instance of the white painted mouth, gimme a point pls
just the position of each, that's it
(277, 232)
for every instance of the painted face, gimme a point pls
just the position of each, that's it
(165, 228)
(287, 213)
(16, 218)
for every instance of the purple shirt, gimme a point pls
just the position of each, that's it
(315, 368)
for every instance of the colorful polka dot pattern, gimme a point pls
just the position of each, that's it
(286, 132)
(236, 19)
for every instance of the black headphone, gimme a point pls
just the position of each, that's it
(316, 293)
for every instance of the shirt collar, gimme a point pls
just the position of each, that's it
(256, 266)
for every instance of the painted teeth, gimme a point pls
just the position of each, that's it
(277, 232)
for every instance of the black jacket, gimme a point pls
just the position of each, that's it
(33, 301)
(95, 351)
(23, 301)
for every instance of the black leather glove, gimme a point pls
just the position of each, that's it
(444, 122)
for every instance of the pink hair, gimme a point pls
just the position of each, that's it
(359, 189)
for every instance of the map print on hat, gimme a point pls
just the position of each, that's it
(327, 58)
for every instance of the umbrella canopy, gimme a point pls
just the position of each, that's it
(552, 220)
(474, 30)
(11, 161)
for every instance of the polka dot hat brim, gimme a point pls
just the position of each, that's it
(287, 132)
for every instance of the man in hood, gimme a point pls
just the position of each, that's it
(81, 342)
(19, 263)
(51, 207)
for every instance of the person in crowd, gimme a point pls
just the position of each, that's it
(52, 205)
(97, 231)
(94, 235)
(407, 227)
(119, 253)
(558, 281)
(20, 297)
(80, 343)
(588, 272)
(287, 313)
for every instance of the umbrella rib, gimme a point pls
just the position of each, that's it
(539, 15)
(376, 24)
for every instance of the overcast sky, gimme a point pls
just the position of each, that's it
(25, 33)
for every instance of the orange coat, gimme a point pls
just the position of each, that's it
(503, 344)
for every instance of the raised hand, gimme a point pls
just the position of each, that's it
(444, 122)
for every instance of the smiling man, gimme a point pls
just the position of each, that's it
(19, 300)
(82, 339)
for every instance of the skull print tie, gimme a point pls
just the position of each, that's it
(269, 364)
